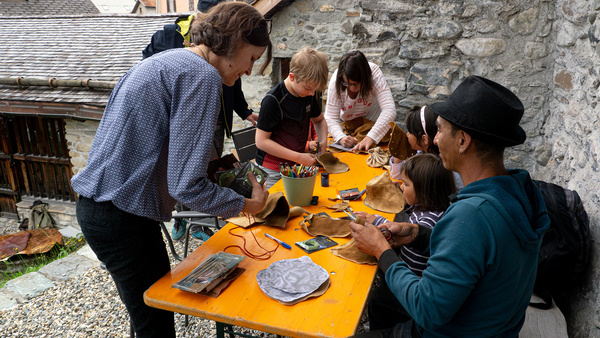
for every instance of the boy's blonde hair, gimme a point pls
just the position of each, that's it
(310, 65)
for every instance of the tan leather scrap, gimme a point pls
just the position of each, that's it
(350, 252)
(339, 207)
(332, 164)
(360, 127)
(275, 213)
(398, 144)
(383, 195)
(325, 226)
(378, 157)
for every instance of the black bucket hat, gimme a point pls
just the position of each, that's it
(485, 110)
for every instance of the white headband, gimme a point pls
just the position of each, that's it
(423, 119)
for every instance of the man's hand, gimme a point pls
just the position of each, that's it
(306, 159)
(348, 141)
(367, 217)
(259, 196)
(402, 233)
(252, 118)
(364, 145)
(369, 239)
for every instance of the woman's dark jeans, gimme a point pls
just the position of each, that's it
(134, 253)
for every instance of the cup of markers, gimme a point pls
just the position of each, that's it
(298, 183)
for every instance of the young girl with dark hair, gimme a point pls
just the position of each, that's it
(427, 187)
(358, 89)
(421, 128)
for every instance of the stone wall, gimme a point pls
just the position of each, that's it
(80, 135)
(546, 51)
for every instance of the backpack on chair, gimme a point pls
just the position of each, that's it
(565, 250)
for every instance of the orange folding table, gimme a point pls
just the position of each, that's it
(337, 313)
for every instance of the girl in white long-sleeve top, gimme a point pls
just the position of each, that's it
(358, 89)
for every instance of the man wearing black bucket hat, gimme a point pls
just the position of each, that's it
(484, 250)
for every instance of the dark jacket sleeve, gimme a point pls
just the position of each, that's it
(164, 39)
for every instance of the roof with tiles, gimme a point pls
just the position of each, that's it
(100, 47)
(46, 7)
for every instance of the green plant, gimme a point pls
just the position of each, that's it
(19, 265)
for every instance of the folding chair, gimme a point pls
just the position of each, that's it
(244, 142)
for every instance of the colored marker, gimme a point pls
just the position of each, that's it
(283, 244)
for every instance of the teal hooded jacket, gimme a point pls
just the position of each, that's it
(482, 268)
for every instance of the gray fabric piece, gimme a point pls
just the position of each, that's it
(291, 279)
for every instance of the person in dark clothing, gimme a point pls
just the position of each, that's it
(484, 250)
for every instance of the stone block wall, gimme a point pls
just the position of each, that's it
(80, 135)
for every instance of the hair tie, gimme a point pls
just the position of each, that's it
(423, 120)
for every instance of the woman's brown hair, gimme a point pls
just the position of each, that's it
(433, 184)
(355, 66)
(227, 24)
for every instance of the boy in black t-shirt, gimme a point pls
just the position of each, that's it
(285, 114)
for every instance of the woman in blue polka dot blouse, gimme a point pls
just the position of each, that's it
(152, 149)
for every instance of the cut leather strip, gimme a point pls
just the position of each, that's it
(332, 164)
(325, 226)
(384, 195)
(350, 252)
(339, 207)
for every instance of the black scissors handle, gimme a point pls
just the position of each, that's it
(386, 233)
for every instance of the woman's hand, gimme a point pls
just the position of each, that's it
(312, 146)
(306, 159)
(252, 118)
(322, 148)
(348, 141)
(364, 145)
(369, 239)
(259, 196)
(402, 233)
(367, 217)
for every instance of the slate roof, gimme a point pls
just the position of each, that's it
(47, 7)
(100, 47)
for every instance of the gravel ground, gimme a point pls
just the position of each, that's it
(86, 305)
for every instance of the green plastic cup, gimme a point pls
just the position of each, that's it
(299, 191)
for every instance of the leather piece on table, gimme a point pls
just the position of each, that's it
(340, 206)
(378, 157)
(325, 226)
(13, 243)
(275, 213)
(350, 252)
(383, 195)
(318, 292)
(217, 290)
(332, 164)
(398, 145)
(360, 127)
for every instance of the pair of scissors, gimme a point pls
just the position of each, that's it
(385, 232)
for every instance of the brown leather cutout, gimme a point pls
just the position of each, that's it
(275, 213)
(378, 157)
(325, 226)
(350, 252)
(399, 145)
(383, 195)
(332, 164)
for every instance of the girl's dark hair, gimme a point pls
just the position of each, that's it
(226, 25)
(432, 182)
(415, 127)
(355, 66)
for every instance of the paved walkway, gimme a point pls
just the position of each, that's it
(32, 284)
